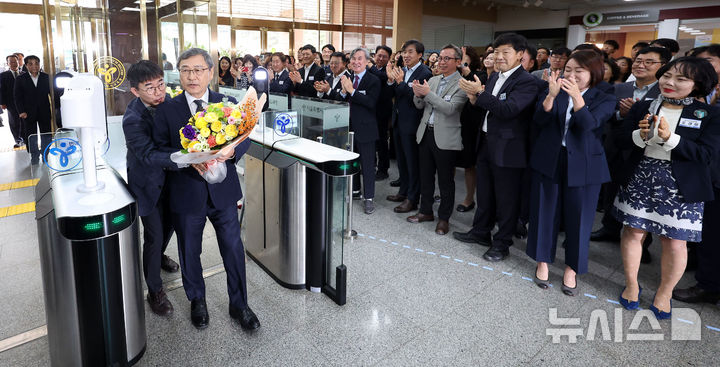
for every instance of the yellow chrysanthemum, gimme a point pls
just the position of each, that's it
(216, 126)
(231, 131)
(205, 132)
(184, 142)
(211, 117)
(201, 123)
(220, 139)
(192, 144)
(236, 114)
(198, 114)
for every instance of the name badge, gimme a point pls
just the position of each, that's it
(502, 97)
(691, 123)
(361, 91)
(281, 82)
(447, 98)
(311, 77)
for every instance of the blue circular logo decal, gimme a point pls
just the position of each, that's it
(62, 154)
(282, 122)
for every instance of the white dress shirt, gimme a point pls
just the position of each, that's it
(568, 115)
(191, 101)
(502, 77)
(35, 78)
(336, 79)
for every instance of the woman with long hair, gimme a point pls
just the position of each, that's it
(625, 65)
(225, 73)
(673, 139)
(568, 166)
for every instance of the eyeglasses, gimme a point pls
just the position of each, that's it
(647, 63)
(558, 57)
(188, 72)
(447, 58)
(153, 90)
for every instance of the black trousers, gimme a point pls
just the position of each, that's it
(367, 169)
(406, 150)
(498, 198)
(708, 252)
(157, 231)
(554, 203)
(16, 125)
(434, 159)
(381, 146)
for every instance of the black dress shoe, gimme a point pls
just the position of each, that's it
(462, 208)
(396, 198)
(696, 294)
(521, 231)
(199, 313)
(469, 237)
(379, 176)
(395, 183)
(247, 318)
(168, 264)
(159, 304)
(496, 254)
(604, 235)
(420, 217)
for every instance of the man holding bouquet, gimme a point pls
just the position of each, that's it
(192, 199)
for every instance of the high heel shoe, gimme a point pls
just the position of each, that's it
(661, 315)
(630, 305)
(544, 284)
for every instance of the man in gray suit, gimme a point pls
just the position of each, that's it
(645, 87)
(558, 57)
(438, 136)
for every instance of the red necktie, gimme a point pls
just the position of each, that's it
(355, 83)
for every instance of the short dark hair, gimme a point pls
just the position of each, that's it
(713, 50)
(281, 55)
(561, 51)
(588, 47)
(697, 69)
(328, 46)
(384, 48)
(668, 43)
(664, 53)
(475, 63)
(593, 62)
(319, 55)
(308, 47)
(641, 44)
(544, 48)
(19, 53)
(9, 56)
(250, 58)
(341, 55)
(31, 58)
(518, 42)
(419, 47)
(612, 43)
(614, 70)
(533, 55)
(143, 71)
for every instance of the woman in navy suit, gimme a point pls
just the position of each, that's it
(568, 166)
(674, 140)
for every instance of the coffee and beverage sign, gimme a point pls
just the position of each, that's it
(594, 19)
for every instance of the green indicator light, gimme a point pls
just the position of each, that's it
(119, 219)
(355, 164)
(344, 166)
(94, 226)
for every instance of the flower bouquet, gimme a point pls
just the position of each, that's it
(173, 92)
(217, 131)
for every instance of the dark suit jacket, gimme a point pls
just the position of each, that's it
(362, 109)
(281, 83)
(384, 105)
(406, 116)
(145, 161)
(691, 159)
(586, 158)
(188, 190)
(509, 118)
(307, 88)
(31, 99)
(7, 88)
(334, 93)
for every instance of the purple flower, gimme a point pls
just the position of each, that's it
(189, 132)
